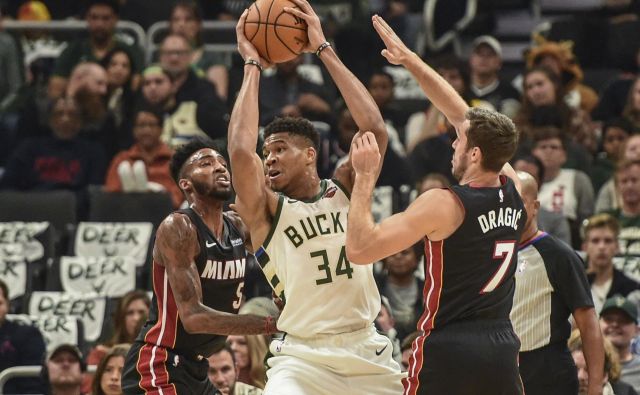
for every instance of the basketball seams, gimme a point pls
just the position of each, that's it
(259, 19)
(266, 32)
(282, 42)
(276, 24)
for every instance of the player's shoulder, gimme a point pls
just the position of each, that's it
(554, 249)
(176, 223)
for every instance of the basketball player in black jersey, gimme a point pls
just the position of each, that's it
(471, 231)
(199, 261)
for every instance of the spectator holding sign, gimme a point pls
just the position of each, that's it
(19, 345)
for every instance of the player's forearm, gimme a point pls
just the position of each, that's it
(592, 346)
(360, 225)
(437, 89)
(243, 125)
(363, 108)
(209, 321)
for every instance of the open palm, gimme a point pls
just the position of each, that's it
(396, 51)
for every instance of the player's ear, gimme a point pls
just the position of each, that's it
(311, 154)
(185, 185)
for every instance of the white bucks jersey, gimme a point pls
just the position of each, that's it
(304, 258)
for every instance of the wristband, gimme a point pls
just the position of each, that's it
(254, 63)
(322, 47)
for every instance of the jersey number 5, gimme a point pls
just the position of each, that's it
(502, 250)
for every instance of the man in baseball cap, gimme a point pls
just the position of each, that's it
(486, 89)
(63, 369)
(619, 323)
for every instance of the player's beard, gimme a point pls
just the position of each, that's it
(205, 190)
(461, 168)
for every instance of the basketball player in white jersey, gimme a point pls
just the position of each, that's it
(298, 233)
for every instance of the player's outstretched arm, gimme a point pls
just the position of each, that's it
(432, 214)
(437, 89)
(363, 108)
(246, 166)
(175, 248)
(592, 347)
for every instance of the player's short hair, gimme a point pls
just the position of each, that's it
(600, 221)
(549, 132)
(495, 134)
(294, 126)
(184, 152)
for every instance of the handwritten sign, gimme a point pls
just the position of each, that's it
(109, 276)
(14, 274)
(130, 239)
(88, 308)
(23, 239)
(55, 330)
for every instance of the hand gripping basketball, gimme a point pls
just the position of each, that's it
(314, 28)
(245, 48)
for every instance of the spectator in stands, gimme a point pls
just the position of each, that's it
(101, 17)
(600, 245)
(157, 89)
(432, 122)
(381, 87)
(614, 97)
(559, 58)
(186, 19)
(551, 286)
(487, 90)
(406, 348)
(619, 323)
(288, 93)
(109, 370)
(63, 370)
(131, 313)
(565, 191)
(612, 384)
(118, 66)
(628, 216)
(20, 345)
(631, 110)
(223, 374)
(249, 352)
(402, 288)
(542, 90)
(386, 324)
(614, 135)
(145, 166)
(609, 196)
(432, 181)
(549, 221)
(395, 170)
(59, 161)
(196, 98)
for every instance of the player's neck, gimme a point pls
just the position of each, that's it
(211, 214)
(479, 178)
(530, 233)
(306, 188)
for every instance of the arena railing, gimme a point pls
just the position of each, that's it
(219, 36)
(127, 27)
(26, 371)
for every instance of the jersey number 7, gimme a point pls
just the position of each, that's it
(502, 250)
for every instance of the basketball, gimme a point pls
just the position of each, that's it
(277, 35)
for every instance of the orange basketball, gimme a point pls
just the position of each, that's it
(277, 35)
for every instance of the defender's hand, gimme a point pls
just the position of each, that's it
(365, 154)
(396, 51)
(314, 29)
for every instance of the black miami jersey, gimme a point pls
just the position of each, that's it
(221, 267)
(470, 274)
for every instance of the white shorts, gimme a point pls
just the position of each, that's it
(352, 363)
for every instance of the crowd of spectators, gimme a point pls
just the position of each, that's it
(97, 114)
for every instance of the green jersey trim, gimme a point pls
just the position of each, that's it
(274, 222)
(342, 188)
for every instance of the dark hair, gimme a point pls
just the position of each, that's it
(226, 347)
(549, 132)
(184, 152)
(554, 78)
(120, 334)
(534, 160)
(452, 62)
(295, 126)
(145, 107)
(4, 289)
(408, 340)
(495, 135)
(113, 4)
(119, 350)
(383, 73)
(194, 9)
(620, 123)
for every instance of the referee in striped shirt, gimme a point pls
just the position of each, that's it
(550, 286)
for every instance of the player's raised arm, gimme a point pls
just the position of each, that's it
(437, 89)
(369, 242)
(363, 108)
(175, 248)
(246, 165)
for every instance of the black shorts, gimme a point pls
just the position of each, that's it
(549, 370)
(466, 358)
(153, 370)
